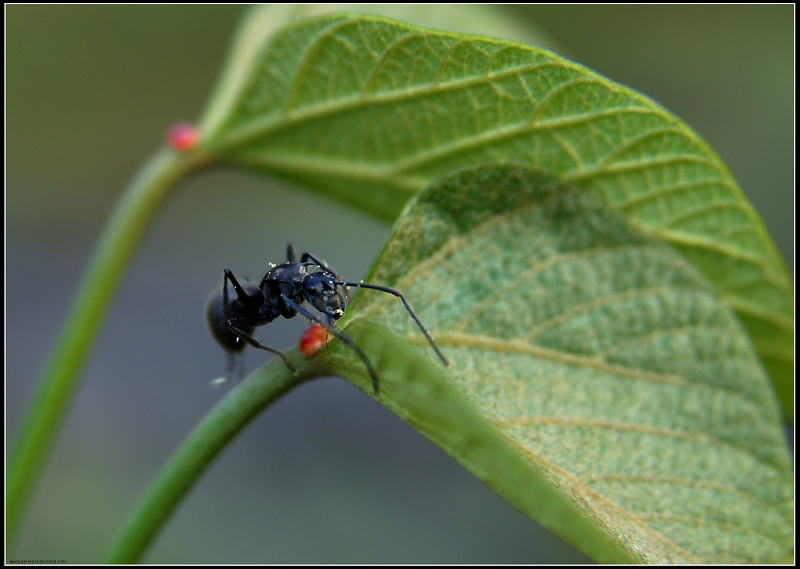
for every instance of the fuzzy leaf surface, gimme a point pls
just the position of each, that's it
(615, 371)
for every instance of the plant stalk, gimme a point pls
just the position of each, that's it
(208, 439)
(101, 281)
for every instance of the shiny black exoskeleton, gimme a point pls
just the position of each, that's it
(282, 292)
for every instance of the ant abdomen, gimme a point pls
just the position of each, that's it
(225, 306)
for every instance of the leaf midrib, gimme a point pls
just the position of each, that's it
(580, 481)
(519, 347)
(577, 487)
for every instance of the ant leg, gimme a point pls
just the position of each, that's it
(235, 365)
(341, 335)
(253, 342)
(398, 294)
(237, 287)
(230, 370)
(246, 299)
(289, 253)
(243, 296)
(234, 369)
(306, 256)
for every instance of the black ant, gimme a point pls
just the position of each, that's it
(282, 291)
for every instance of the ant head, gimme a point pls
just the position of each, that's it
(324, 294)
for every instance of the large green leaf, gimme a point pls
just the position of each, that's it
(635, 409)
(266, 19)
(370, 110)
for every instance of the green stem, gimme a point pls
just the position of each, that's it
(116, 247)
(178, 476)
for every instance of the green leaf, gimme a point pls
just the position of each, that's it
(265, 19)
(621, 381)
(369, 111)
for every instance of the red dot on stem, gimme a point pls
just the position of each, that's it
(312, 340)
(183, 136)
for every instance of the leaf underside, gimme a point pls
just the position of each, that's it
(608, 363)
(369, 111)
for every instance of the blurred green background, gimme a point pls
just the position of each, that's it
(326, 475)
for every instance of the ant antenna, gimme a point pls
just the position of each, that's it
(398, 294)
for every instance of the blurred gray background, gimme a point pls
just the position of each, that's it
(326, 475)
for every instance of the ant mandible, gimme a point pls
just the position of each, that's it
(282, 292)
